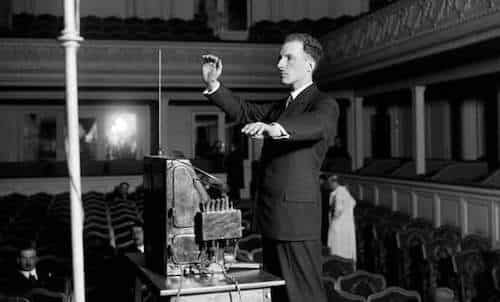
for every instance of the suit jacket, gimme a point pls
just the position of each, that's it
(289, 200)
(19, 285)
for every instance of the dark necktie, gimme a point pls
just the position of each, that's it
(32, 279)
(288, 101)
(284, 105)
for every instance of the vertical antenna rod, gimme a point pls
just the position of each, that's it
(160, 151)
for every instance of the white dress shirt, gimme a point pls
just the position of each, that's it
(294, 95)
(27, 274)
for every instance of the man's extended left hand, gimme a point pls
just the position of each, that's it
(260, 130)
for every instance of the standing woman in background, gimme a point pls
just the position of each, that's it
(341, 234)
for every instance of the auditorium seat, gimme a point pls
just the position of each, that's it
(420, 224)
(361, 283)
(382, 166)
(366, 240)
(90, 26)
(112, 28)
(493, 264)
(493, 179)
(440, 254)
(395, 294)
(135, 28)
(335, 266)
(447, 232)
(413, 269)
(471, 269)
(443, 294)
(462, 172)
(387, 254)
(336, 295)
(22, 24)
(475, 242)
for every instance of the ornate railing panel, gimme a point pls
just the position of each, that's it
(408, 29)
(473, 209)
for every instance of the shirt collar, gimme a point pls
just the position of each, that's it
(296, 92)
(27, 274)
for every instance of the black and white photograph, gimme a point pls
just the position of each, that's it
(250, 150)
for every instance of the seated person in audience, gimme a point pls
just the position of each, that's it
(26, 276)
(341, 234)
(125, 282)
(121, 192)
(137, 233)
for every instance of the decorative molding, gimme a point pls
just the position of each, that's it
(406, 29)
(40, 63)
(404, 20)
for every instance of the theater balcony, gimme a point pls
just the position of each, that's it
(417, 82)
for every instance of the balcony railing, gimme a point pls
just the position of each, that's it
(473, 209)
(409, 29)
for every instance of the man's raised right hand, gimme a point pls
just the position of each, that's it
(211, 68)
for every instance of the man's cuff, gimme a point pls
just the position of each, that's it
(283, 133)
(210, 91)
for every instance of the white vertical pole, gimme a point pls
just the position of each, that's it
(418, 108)
(71, 41)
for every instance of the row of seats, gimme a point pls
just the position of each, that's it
(93, 27)
(340, 277)
(275, 32)
(362, 286)
(412, 254)
(445, 171)
(45, 218)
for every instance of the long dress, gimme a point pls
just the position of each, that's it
(341, 234)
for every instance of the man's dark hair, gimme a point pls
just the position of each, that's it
(312, 46)
(25, 245)
(124, 183)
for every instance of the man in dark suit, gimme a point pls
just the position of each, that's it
(26, 276)
(123, 284)
(297, 133)
(137, 234)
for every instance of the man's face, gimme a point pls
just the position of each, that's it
(27, 259)
(123, 189)
(138, 235)
(295, 65)
(334, 184)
